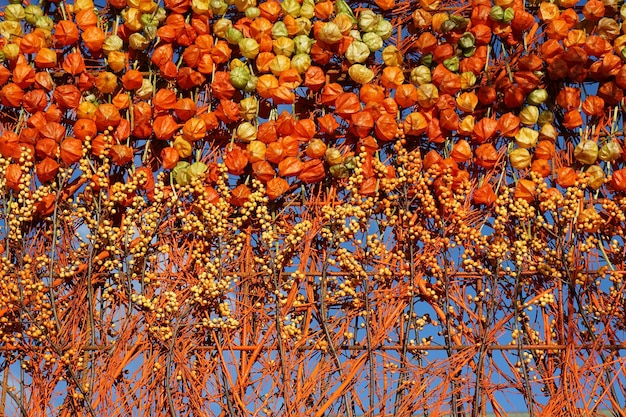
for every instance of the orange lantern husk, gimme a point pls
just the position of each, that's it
(486, 156)
(484, 195)
(240, 195)
(164, 127)
(235, 161)
(71, 150)
(47, 170)
(386, 128)
(46, 148)
(312, 171)
(263, 171)
(121, 154)
(107, 115)
(525, 190)
(461, 151)
(566, 176)
(169, 157)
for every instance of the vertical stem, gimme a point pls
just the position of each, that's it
(517, 304)
(323, 320)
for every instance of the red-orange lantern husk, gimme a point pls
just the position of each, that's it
(448, 119)
(240, 195)
(276, 187)
(486, 95)
(545, 150)
(13, 176)
(71, 150)
(362, 123)
(53, 113)
(221, 87)
(431, 158)
(566, 176)
(525, 190)
(121, 100)
(211, 120)
(275, 152)
(35, 100)
(484, 129)
(290, 166)
(194, 129)
(593, 106)
(192, 55)
(386, 127)
(169, 157)
(406, 95)
(85, 82)
(46, 148)
(132, 79)
(329, 93)
(236, 161)
(85, 128)
(551, 49)
(47, 170)
(263, 171)
(65, 33)
(164, 99)
(266, 132)
(328, 124)
(98, 146)
(434, 132)
(486, 156)
(484, 195)
(142, 131)
(45, 206)
(86, 18)
(347, 104)
(121, 154)
(372, 93)
(227, 111)
(164, 127)
(290, 145)
(369, 186)
(314, 78)
(107, 115)
(142, 113)
(11, 95)
(37, 120)
(530, 62)
(162, 54)
(45, 58)
(23, 75)
(426, 43)
(541, 167)
(572, 119)
(611, 93)
(304, 130)
(5, 74)
(93, 38)
(568, 98)
(312, 171)
(52, 130)
(461, 151)
(185, 109)
(508, 125)
(29, 135)
(285, 124)
(514, 97)
(211, 194)
(618, 180)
